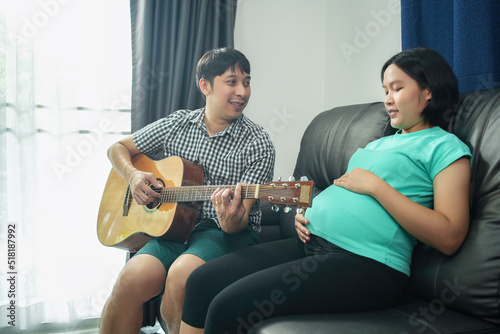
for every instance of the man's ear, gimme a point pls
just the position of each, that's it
(205, 87)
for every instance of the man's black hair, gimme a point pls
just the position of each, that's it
(215, 62)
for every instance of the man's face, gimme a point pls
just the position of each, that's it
(229, 94)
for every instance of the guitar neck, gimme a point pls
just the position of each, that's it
(203, 193)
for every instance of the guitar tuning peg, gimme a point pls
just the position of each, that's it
(287, 209)
(275, 208)
(279, 178)
(291, 178)
(304, 178)
(300, 210)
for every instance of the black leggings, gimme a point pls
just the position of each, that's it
(239, 290)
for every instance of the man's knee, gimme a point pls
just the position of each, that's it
(179, 272)
(141, 279)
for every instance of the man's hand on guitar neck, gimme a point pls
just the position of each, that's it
(232, 210)
(140, 187)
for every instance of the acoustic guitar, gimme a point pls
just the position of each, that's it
(123, 223)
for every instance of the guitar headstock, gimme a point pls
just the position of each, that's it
(288, 193)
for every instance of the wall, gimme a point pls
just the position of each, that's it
(308, 56)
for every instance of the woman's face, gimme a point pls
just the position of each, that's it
(404, 100)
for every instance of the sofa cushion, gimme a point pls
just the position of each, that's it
(469, 281)
(410, 315)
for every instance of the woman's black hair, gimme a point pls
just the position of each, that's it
(432, 71)
(215, 62)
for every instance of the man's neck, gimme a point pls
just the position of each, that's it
(214, 125)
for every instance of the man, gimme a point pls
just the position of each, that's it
(231, 150)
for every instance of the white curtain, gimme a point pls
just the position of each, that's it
(65, 74)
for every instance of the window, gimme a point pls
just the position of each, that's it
(65, 76)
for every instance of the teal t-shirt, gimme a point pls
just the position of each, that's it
(358, 223)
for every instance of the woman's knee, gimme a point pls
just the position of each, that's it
(230, 312)
(197, 280)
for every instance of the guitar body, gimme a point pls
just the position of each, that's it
(125, 224)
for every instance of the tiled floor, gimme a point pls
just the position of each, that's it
(153, 330)
(147, 330)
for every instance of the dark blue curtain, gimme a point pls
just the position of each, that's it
(465, 32)
(168, 39)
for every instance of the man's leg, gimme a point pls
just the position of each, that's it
(206, 243)
(141, 279)
(175, 286)
(187, 329)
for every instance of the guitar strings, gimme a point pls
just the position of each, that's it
(200, 193)
(204, 193)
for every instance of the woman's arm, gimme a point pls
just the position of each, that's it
(443, 227)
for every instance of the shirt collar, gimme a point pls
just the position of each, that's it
(230, 130)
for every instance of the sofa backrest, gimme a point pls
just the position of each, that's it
(328, 143)
(469, 281)
(334, 135)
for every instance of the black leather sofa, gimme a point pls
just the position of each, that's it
(446, 294)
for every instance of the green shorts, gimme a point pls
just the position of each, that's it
(207, 241)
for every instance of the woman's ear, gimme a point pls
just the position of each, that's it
(205, 86)
(428, 94)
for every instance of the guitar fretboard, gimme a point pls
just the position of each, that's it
(202, 193)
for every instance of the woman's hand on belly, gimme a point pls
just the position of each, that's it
(300, 226)
(359, 180)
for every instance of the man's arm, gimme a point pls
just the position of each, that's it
(120, 154)
(234, 216)
(233, 213)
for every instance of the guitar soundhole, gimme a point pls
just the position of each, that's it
(157, 202)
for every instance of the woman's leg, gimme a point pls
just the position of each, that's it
(336, 282)
(208, 280)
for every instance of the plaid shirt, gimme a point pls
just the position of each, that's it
(243, 152)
